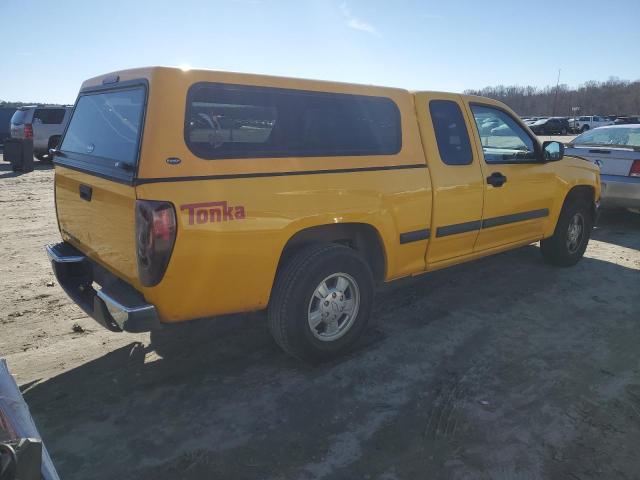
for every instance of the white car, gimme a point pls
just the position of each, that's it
(616, 150)
(588, 122)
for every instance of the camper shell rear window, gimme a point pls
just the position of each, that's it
(239, 121)
(104, 132)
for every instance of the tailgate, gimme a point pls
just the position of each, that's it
(97, 216)
(95, 172)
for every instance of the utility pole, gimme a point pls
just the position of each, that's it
(555, 98)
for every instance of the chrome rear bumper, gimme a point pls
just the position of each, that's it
(116, 305)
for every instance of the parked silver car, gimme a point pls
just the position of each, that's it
(44, 125)
(616, 150)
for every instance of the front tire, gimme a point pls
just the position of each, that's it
(321, 302)
(570, 239)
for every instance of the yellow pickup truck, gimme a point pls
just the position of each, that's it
(188, 194)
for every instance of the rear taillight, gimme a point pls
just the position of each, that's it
(155, 237)
(28, 130)
(635, 169)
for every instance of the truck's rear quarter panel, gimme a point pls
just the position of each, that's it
(229, 266)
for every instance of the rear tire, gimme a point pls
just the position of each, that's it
(321, 302)
(570, 239)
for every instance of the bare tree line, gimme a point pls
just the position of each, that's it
(613, 97)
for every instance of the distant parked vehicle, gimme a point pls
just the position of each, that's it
(5, 121)
(550, 126)
(582, 124)
(626, 120)
(44, 125)
(531, 120)
(616, 150)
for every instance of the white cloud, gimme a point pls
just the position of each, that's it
(357, 23)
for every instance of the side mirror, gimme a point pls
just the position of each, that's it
(552, 151)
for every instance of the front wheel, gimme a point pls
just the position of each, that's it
(321, 302)
(571, 236)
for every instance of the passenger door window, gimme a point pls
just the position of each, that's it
(451, 132)
(503, 139)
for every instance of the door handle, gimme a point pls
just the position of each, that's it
(85, 192)
(496, 179)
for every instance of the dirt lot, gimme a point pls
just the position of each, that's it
(504, 368)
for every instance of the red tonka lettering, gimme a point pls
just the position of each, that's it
(211, 212)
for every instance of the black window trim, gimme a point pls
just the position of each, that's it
(76, 161)
(536, 144)
(462, 114)
(293, 154)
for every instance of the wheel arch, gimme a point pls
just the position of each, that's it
(57, 137)
(362, 237)
(583, 192)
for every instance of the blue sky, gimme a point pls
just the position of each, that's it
(50, 47)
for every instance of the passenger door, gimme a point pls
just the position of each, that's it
(455, 175)
(519, 189)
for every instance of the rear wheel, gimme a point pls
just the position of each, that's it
(321, 302)
(571, 236)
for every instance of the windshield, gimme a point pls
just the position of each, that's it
(19, 117)
(106, 125)
(623, 137)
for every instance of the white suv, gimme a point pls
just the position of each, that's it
(44, 125)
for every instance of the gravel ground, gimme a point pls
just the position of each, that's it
(502, 368)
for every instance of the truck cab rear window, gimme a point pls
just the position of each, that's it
(236, 121)
(106, 125)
